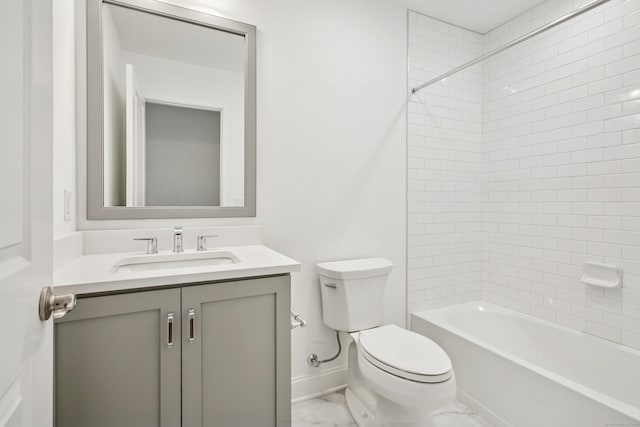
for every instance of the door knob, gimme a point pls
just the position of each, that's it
(56, 305)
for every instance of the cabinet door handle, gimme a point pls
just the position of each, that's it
(192, 325)
(170, 329)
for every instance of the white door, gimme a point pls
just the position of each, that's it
(26, 346)
(136, 139)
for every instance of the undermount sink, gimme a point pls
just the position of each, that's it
(174, 260)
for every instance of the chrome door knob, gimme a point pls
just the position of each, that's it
(55, 305)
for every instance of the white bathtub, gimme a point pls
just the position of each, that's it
(519, 371)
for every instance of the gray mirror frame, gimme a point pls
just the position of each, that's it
(95, 135)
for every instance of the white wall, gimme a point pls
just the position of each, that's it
(114, 115)
(64, 119)
(192, 85)
(331, 144)
(561, 167)
(444, 169)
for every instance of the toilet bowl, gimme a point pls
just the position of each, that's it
(395, 377)
(405, 367)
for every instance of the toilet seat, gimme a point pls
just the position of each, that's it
(405, 354)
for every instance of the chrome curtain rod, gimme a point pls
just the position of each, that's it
(517, 41)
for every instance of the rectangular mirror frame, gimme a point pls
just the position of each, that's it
(95, 119)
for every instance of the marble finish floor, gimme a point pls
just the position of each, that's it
(331, 411)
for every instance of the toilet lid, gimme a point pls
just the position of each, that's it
(405, 354)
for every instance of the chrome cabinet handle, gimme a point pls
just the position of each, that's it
(202, 241)
(170, 329)
(152, 244)
(54, 305)
(331, 285)
(192, 325)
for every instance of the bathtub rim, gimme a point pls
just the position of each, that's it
(437, 317)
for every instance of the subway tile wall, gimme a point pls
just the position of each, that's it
(554, 169)
(444, 167)
(561, 167)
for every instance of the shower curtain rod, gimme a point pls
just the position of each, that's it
(517, 41)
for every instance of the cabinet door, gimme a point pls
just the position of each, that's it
(236, 354)
(115, 364)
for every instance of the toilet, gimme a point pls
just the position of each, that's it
(395, 377)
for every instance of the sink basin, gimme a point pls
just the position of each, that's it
(170, 261)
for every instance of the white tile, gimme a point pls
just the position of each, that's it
(589, 102)
(606, 167)
(331, 411)
(622, 180)
(587, 156)
(446, 168)
(458, 415)
(604, 331)
(622, 123)
(605, 85)
(603, 113)
(604, 140)
(572, 322)
(557, 160)
(627, 151)
(604, 195)
(586, 313)
(620, 10)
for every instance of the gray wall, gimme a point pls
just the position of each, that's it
(183, 156)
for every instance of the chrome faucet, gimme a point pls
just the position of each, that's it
(202, 242)
(152, 244)
(177, 239)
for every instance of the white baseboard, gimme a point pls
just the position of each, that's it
(323, 382)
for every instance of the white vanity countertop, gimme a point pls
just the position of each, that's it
(94, 273)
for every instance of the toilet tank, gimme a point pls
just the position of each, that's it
(353, 292)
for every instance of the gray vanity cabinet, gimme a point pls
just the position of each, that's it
(226, 363)
(113, 362)
(236, 354)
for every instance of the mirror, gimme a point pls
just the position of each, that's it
(171, 112)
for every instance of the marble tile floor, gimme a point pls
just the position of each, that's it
(331, 411)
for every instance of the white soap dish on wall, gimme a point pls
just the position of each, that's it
(602, 275)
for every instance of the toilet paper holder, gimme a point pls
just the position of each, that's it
(297, 320)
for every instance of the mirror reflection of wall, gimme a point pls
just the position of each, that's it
(182, 145)
(173, 112)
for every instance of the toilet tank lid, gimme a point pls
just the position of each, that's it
(355, 268)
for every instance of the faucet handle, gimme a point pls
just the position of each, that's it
(177, 240)
(152, 244)
(202, 241)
